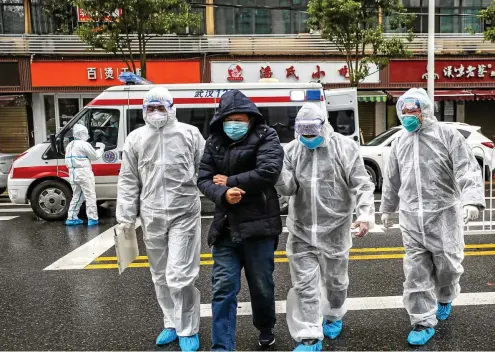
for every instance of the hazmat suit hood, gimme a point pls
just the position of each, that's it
(80, 132)
(159, 96)
(426, 105)
(234, 102)
(311, 112)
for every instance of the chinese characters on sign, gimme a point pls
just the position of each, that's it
(266, 72)
(204, 93)
(470, 71)
(319, 73)
(291, 71)
(344, 71)
(107, 73)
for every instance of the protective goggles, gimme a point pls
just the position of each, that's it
(158, 106)
(410, 105)
(308, 127)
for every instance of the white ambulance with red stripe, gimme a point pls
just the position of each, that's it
(39, 175)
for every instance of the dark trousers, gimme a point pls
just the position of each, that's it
(256, 257)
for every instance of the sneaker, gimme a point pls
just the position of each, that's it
(267, 338)
(332, 329)
(444, 310)
(166, 336)
(420, 335)
(310, 345)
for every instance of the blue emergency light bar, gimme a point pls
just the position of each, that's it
(312, 95)
(130, 78)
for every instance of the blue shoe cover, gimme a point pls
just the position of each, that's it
(92, 222)
(166, 336)
(444, 311)
(332, 329)
(420, 338)
(189, 343)
(315, 347)
(73, 222)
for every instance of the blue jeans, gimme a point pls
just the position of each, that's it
(257, 258)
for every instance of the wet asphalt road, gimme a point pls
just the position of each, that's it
(96, 309)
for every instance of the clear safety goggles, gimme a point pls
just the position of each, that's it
(308, 127)
(410, 105)
(158, 106)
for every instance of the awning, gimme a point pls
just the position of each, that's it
(484, 94)
(9, 99)
(440, 95)
(375, 96)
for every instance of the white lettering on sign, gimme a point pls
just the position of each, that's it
(471, 71)
(92, 73)
(108, 73)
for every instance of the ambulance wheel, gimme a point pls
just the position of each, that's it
(50, 200)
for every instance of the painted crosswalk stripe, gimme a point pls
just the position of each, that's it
(18, 210)
(6, 218)
(80, 257)
(368, 303)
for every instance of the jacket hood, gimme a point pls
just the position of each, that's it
(80, 132)
(234, 102)
(311, 112)
(426, 105)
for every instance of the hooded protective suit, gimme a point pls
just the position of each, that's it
(158, 180)
(324, 186)
(78, 157)
(431, 174)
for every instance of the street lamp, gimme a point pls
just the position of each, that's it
(431, 50)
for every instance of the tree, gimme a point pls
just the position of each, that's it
(61, 12)
(488, 15)
(355, 28)
(115, 30)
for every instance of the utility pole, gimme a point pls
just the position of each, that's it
(431, 50)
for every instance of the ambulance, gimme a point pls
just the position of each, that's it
(39, 176)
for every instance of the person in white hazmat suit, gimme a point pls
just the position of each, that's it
(78, 156)
(434, 180)
(325, 177)
(158, 180)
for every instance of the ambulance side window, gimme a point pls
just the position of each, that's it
(342, 121)
(134, 119)
(282, 119)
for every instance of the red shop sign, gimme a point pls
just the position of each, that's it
(446, 71)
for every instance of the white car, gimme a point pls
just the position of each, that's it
(5, 163)
(376, 152)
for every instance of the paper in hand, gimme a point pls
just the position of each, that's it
(126, 247)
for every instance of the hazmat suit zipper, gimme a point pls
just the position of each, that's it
(314, 191)
(417, 173)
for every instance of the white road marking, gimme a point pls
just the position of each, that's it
(6, 218)
(368, 303)
(20, 210)
(85, 254)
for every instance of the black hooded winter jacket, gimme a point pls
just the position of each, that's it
(252, 164)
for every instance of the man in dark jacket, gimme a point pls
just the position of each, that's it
(241, 164)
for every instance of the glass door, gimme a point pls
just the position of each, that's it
(68, 107)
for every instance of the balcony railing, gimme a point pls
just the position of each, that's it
(307, 44)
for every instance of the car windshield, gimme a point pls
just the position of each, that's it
(382, 137)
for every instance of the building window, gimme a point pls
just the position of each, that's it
(452, 16)
(283, 17)
(11, 17)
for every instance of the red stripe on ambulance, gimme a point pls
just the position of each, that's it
(184, 101)
(35, 172)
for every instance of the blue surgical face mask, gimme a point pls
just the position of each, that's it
(235, 130)
(411, 123)
(311, 143)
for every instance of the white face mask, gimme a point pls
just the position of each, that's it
(157, 118)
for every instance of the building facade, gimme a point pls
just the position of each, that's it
(50, 74)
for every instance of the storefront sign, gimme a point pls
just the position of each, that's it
(286, 71)
(106, 73)
(446, 71)
(83, 16)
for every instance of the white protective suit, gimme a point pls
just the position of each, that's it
(158, 180)
(431, 174)
(324, 185)
(78, 157)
